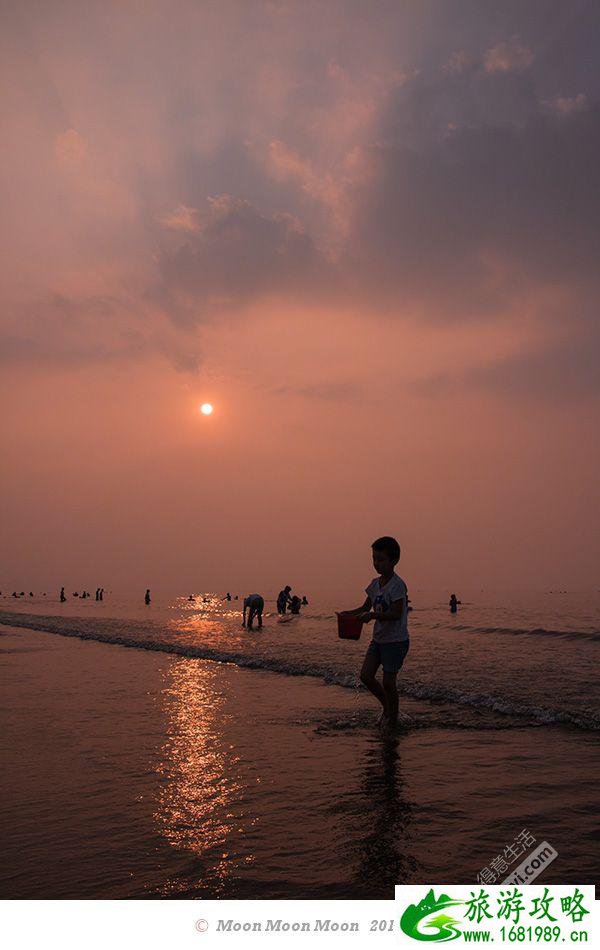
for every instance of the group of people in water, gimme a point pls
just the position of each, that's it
(285, 600)
(254, 605)
(84, 594)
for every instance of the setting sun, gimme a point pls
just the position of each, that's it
(206, 409)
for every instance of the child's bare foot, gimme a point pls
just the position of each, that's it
(399, 725)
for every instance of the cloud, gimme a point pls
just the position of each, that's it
(182, 218)
(550, 374)
(459, 226)
(395, 167)
(459, 62)
(468, 221)
(507, 56)
(565, 105)
(70, 148)
(326, 392)
(60, 330)
(237, 254)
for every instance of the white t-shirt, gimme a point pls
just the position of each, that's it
(382, 598)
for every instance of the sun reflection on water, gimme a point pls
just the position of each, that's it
(200, 807)
(203, 613)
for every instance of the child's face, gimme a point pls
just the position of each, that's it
(383, 563)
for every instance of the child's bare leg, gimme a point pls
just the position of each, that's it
(367, 677)
(391, 693)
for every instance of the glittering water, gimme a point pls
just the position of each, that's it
(207, 761)
(531, 655)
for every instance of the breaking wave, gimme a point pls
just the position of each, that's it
(591, 635)
(70, 627)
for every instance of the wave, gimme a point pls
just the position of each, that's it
(415, 689)
(591, 636)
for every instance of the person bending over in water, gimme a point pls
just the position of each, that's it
(386, 604)
(295, 605)
(283, 599)
(255, 605)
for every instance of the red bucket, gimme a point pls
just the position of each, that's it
(349, 626)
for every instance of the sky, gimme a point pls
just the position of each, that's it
(366, 232)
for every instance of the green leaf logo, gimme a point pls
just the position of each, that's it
(428, 919)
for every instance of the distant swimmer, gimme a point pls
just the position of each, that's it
(454, 603)
(295, 605)
(14, 593)
(31, 593)
(304, 601)
(62, 595)
(283, 599)
(97, 593)
(255, 605)
(227, 596)
(147, 596)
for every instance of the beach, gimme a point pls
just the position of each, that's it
(135, 772)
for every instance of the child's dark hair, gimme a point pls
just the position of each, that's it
(389, 546)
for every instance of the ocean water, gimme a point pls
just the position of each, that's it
(505, 656)
(164, 751)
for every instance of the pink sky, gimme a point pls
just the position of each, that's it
(366, 233)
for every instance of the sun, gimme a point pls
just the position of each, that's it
(206, 409)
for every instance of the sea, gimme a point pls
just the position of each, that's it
(164, 750)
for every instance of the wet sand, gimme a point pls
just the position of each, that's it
(126, 773)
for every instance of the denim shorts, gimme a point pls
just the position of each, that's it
(390, 655)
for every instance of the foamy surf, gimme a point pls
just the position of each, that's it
(442, 693)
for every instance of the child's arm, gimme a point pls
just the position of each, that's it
(359, 610)
(395, 613)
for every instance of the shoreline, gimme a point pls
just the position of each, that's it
(509, 714)
(137, 774)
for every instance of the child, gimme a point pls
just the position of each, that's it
(386, 604)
